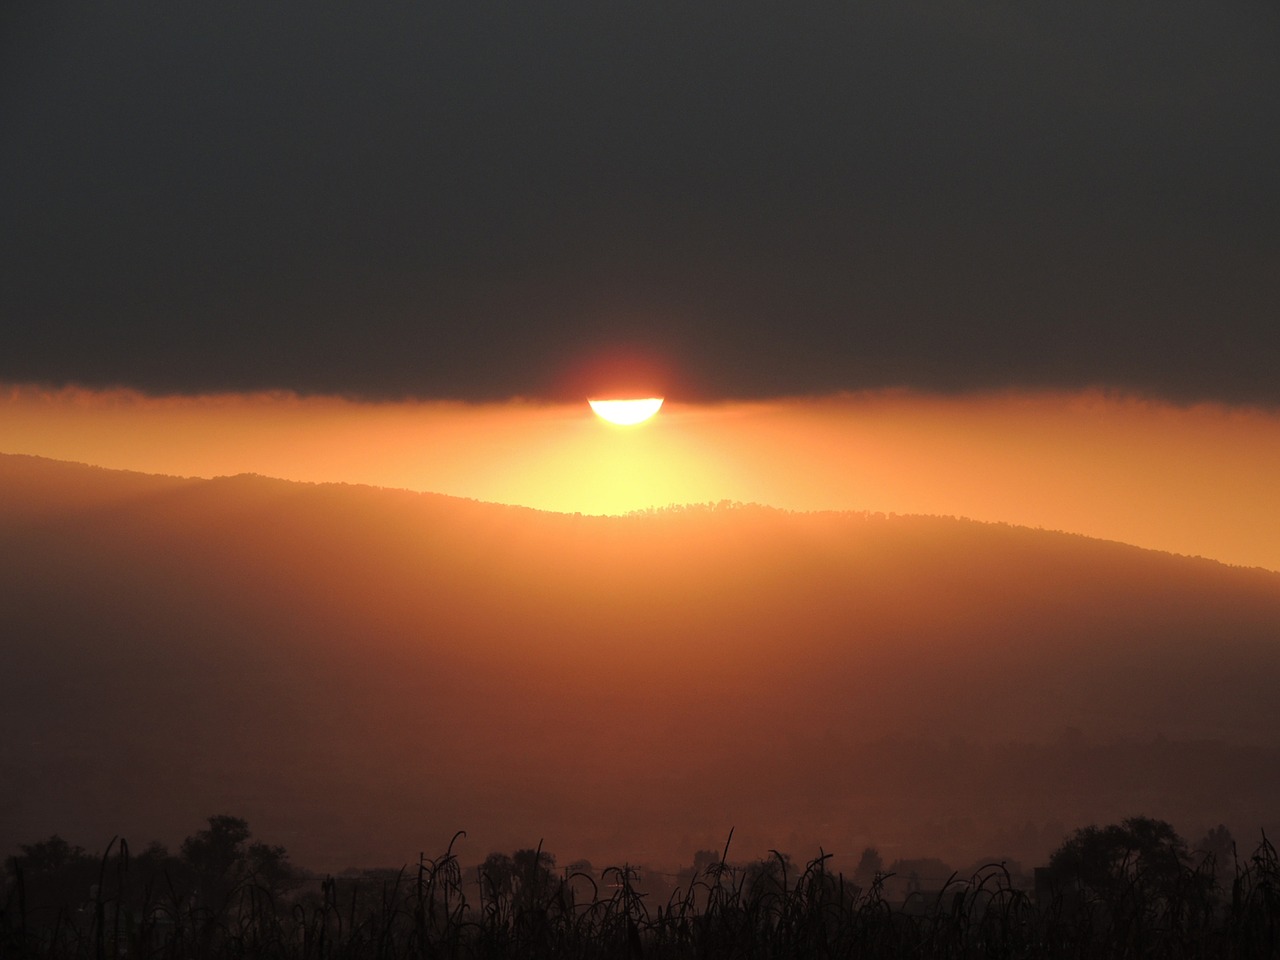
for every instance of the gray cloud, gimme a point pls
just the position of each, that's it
(462, 200)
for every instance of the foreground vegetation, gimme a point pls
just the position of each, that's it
(1127, 890)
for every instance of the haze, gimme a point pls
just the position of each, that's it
(1200, 480)
(362, 672)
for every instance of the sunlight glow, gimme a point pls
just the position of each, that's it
(1199, 480)
(626, 413)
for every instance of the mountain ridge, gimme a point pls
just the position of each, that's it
(673, 509)
(328, 658)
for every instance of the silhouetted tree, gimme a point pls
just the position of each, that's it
(870, 865)
(269, 867)
(154, 857)
(769, 877)
(220, 858)
(48, 856)
(497, 876)
(1140, 854)
(215, 851)
(534, 875)
(53, 874)
(696, 878)
(1217, 852)
(705, 861)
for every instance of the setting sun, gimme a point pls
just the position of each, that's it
(626, 413)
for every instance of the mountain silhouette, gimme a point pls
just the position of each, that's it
(362, 671)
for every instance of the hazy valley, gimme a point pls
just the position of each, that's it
(360, 672)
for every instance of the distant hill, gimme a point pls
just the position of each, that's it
(360, 672)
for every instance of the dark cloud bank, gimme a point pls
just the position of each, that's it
(469, 200)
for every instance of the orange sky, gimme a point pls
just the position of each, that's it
(1197, 480)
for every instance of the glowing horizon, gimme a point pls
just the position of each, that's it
(1199, 480)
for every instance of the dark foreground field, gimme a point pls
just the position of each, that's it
(252, 904)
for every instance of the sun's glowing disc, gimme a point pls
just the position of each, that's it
(626, 412)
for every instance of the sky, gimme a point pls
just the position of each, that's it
(721, 201)
(1016, 262)
(1198, 480)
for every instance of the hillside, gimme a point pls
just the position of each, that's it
(361, 672)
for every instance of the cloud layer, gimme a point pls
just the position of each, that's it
(472, 201)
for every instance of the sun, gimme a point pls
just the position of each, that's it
(626, 413)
